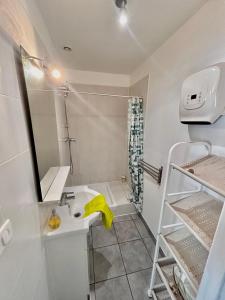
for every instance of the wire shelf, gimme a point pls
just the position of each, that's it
(160, 293)
(210, 169)
(190, 255)
(165, 268)
(198, 215)
(200, 212)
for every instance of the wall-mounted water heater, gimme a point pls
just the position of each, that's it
(203, 96)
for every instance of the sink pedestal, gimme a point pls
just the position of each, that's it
(67, 266)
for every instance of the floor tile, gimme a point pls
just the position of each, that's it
(134, 216)
(103, 237)
(126, 231)
(141, 228)
(91, 267)
(108, 263)
(150, 245)
(122, 218)
(139, 284)
(135, 256)
(92, 292)
(97, 222)
(114, 289)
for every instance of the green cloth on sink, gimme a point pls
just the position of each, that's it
(99, 204)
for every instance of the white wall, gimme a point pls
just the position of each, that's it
(22, 265)
(99, 125)
(197, 44)
(97, 78)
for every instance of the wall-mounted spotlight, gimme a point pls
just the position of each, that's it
(123, 18)
(34, 71)
(42, 69)
(55, 73)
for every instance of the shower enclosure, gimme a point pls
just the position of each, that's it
(93, 135)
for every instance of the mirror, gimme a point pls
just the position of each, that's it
(41, 114)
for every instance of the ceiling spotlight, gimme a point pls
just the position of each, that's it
(123, 18)
(121, 3)
(56, 73)
(67, 48)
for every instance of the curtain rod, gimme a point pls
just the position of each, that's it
(87, 93)
(103, 94)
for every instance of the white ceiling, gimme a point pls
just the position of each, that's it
(99, 43)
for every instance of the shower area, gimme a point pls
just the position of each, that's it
(93, 139)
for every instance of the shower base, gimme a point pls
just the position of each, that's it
(117, 194)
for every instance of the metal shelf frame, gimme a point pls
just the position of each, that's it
(166, 195)
(163, 262)
(193, 227)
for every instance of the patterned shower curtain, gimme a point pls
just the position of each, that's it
(135, 149)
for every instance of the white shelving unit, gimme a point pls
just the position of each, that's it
(189, 241)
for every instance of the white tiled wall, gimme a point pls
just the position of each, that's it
(99, 124)
(22, 264)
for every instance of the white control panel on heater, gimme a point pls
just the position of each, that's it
(5, 235)
(194, 101)
(203, 96)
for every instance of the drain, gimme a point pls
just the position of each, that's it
(77, 215)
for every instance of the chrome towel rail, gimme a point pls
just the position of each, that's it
(152, 171)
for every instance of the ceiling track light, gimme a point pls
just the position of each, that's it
(123, 18)
(121, 3)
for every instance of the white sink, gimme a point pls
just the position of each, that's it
(70, 223)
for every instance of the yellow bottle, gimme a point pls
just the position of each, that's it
(54, 221)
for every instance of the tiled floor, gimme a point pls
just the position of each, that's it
(120, 260)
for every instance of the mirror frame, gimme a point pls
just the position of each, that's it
(19, 53)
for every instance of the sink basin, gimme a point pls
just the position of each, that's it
(83, 195)
(71, 217)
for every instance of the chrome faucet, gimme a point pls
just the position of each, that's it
(65, 197)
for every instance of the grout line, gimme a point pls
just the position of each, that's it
(142, 238)
(119, 243)
(138, 271)
(139, 230)
(130, 288)
(149, 268)
(106, 246)
(124, 267)
(148, 229)
(10, 96)
(129, 240)
(110, 278)
(113, 222)
(14, 157)
(133, 272)
(138, 239)
(151, 235)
